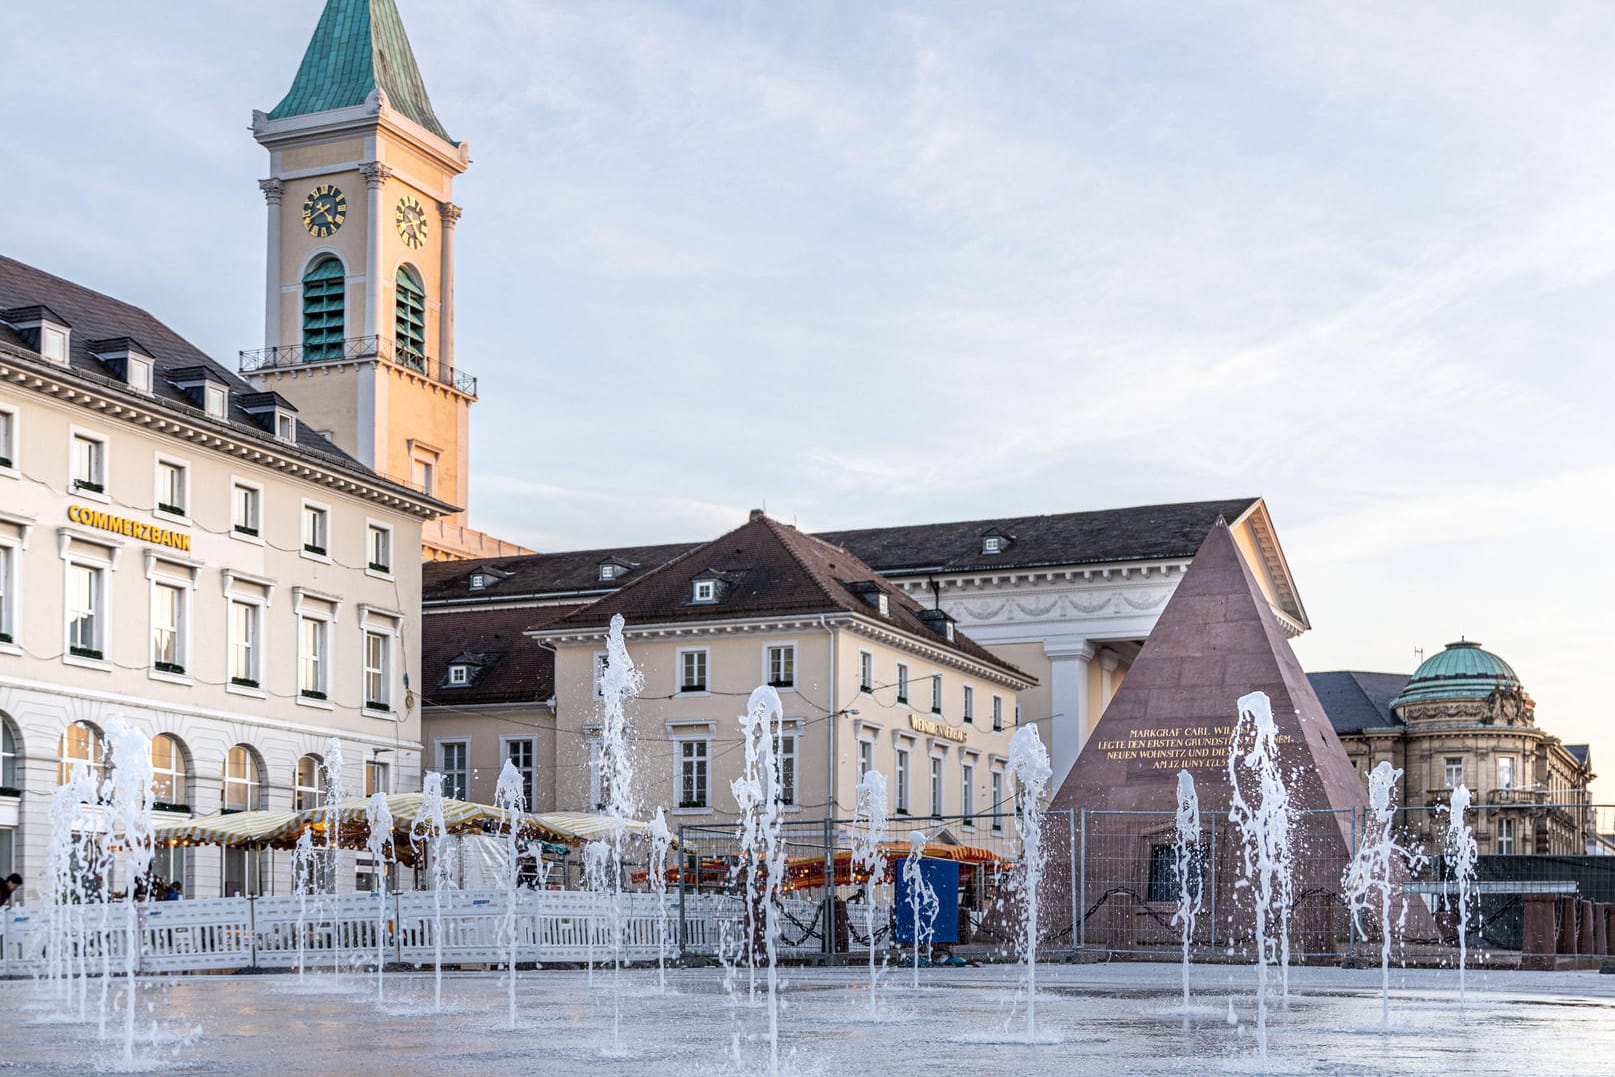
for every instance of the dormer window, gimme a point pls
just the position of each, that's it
(608, 571)
(127, 359)
(214, 401)
(992, 544)
(883, 604)
(704, 591)
(44, 329)
(285, 427)
(479, 580)
(274, 412)
(459, 674)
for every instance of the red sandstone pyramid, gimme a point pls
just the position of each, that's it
(1216, 640)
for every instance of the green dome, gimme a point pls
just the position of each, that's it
(1462, 671)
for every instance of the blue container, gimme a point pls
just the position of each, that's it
(943, 877)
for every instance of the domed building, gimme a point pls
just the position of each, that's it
(1464, 717)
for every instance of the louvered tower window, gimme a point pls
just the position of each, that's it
(324, 288)
(411, 319)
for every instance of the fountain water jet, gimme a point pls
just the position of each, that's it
(302, 885)
(432, 827)
(1371, 878)
(660, 841)
(510, 801)
(759, 794)
(68, 856)
(619, 682)
(1029, 767)
(869, 826)
(1461, 854)
(1185, 850)
(379, 818)
(1263, 820)
(335, 793)
(922, 898)
(128, 795)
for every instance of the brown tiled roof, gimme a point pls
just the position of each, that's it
(94, 317)
(508, 667)
(769, 570)
(1140, 533)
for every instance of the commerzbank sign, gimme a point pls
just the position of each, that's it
(935, 729)
(135, 529)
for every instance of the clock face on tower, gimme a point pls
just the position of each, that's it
(324, 210)
(411, 221)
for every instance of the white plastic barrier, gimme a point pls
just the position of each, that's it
(337, 931)
(180, 936)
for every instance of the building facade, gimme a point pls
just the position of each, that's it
(869, 679)
(1464, 717)
(181, 549)
(359, 293)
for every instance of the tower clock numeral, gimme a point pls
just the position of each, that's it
(324, 210)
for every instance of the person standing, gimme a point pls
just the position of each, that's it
(9, 886)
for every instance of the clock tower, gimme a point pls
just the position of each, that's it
(359, 294)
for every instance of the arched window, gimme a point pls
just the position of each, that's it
(243, 780)
(306, 791)
(81, 747)
(409, 319)
(171, 775)
(8, 754)
(324, 297)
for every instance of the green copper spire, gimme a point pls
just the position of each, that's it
(358, 46)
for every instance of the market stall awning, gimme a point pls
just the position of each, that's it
(233, 830)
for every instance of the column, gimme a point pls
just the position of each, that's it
(1068, 702)
(273, 190)
(375, 175)
(450, 214)
(1108, 661)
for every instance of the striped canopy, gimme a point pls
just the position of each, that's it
(237, 829)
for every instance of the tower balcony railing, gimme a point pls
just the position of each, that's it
(290, 356)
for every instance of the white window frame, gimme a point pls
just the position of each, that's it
(607, 572)
(459, 674)
(10, 594)
(255, 648)
(705, 688)
(254, 781)
(991, 544)
(182, 470)
(1447, 771)
(996, 792)
(215, 400)
(936, 693)
(938, 794)
(866, 671)
(968, 704)
(902, 776)
(102, 574)
(967, 790)
(704, 592)
(679, 760)
(530, 775)
(902, 683)
(322, 662)
(103, 464)
(429, 460)
(237, 485)
(443, 768)
(315, 791)
(1509, 764)
(303, 534)
(768, 664)
(1506, 833)
(178, 772)
(599, 668)
(285, 426)
(998, 713)
(597, 769)
(372, 528)
(181, 630)
(790, 742)
(10, 442)
(386, 671)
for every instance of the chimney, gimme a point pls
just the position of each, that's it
(756, 514)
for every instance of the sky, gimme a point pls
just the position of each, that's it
(878, 263)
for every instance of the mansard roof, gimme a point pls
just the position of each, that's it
(358, 47)
(1355, 700)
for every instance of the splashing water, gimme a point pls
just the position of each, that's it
(379, 818)
(335, 793)
(510, 801)
(660, 841)
(1259, 808)
(758, 793)
(922, 898)
(302, 884)
(1461, 854)
(432, 827)
(1029, 766)
(869, 825)
(127, 793)
(68, 861)
(596, 869)
(1190, 888)
(1371, 880)
(619, 682)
